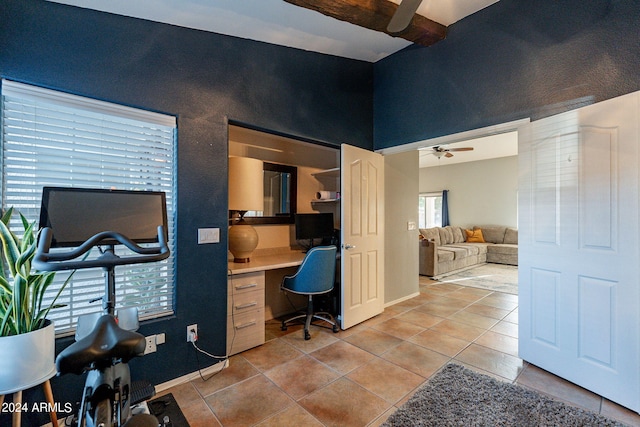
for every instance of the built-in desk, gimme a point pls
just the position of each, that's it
(248, 283)
(267, 262)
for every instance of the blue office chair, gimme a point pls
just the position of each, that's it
(315, 276)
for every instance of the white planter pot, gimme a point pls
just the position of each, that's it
(27, 360)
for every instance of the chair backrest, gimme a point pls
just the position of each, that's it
(316, 274)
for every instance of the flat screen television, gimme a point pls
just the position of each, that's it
(76, 214)
(310, 226)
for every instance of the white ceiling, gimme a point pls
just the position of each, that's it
(278, 22)
(489, 147)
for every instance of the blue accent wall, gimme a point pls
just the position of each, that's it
(205, 80)
(515, 59)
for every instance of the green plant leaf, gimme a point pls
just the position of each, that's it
(10, 247)
(23, 291)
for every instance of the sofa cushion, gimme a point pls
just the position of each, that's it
(503, 248)
(458, 252)
(445, 255)
(458, 235)
(492, 234)
(446, 235)
(503, 254)
(474, 236)
(481, 247)
(469, 248)
(511, 236)
(431, 234)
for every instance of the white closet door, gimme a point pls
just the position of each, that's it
(362, 235)
(579, 279)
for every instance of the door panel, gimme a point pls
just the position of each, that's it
(362, 235)
(578, 245)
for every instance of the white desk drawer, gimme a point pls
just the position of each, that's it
(245, 301)
(246, 282)
(248, 329)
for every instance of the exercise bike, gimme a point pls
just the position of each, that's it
(105, 351)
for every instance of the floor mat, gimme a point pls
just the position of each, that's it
(167, 411)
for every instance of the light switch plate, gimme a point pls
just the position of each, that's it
(208, 235)
(411, 225)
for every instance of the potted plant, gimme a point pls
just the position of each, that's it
(27, 337)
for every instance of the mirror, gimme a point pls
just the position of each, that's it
(280, 196)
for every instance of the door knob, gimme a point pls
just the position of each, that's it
(348, 246)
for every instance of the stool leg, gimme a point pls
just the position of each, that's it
(17, 399)
(48, 395)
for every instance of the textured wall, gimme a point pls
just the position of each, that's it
(204, 79)
(401, 206)
(514, 59)
(480, 193)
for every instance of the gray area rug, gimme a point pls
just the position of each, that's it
(494, 277)
(457, 396)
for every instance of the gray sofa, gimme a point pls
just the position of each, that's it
(445, 249)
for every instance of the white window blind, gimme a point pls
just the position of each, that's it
(51, 138)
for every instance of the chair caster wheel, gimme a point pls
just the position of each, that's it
(283, 327)
(307, 335)
(336, 329)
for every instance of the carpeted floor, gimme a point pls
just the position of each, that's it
(457, 396)
(495, 277)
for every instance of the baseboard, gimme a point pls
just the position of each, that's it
(408, 297)
(192, 376)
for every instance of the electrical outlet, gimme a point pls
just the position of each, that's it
(192, 333)
(151, 344)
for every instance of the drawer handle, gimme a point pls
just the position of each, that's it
(246, 325)
(247, 305)
(247, 286)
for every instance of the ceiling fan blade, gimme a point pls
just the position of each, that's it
(447, 154)
(461, 149)
(404, 13)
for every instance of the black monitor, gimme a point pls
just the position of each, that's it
(310, 226)
(76, 214)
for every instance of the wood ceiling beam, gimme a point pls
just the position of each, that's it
(375, 15)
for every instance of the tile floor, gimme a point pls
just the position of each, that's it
(358, 377)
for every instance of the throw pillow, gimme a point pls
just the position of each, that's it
(474, 236)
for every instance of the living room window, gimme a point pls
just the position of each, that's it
(430, 210)
(51, 138)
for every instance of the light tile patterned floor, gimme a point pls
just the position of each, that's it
(358, 377)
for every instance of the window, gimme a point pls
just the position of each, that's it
(56, 139)
(430, 210)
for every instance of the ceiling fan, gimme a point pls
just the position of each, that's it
(440, 151)
(403, 15)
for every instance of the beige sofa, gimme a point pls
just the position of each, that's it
(445, 249)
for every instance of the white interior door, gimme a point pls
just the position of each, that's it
(578, 247)
(362, 235)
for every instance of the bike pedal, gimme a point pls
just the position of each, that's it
(141, 391)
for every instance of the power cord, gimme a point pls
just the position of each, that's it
(208, 354)
(199, 350)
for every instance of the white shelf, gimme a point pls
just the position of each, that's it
(325, 200)
(329, 173)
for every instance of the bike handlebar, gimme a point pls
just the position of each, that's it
(46, 261)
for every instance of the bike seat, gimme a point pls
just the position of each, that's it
(105, 342)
